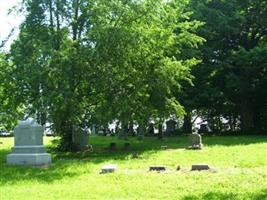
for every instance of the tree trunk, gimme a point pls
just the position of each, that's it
(187, 126)
(124, 130)
(141, 130)
(247, 117)
(76, 5)
(57, 43)
(160, 133)
(65, 131)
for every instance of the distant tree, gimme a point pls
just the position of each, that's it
(231, 79)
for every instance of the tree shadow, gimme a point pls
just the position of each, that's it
(149, 146)
(233, 140)
(102, 154)
(262, 195)
(12, 174)
(61, 161)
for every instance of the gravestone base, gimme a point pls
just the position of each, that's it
(195, 141)
(196, 147)
(36, 159)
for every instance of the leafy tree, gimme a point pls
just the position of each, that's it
(9, 110)
(230, 77)
(80, 61)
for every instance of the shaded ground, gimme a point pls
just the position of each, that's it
(240, 163)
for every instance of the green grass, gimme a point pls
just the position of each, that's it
(239, 171)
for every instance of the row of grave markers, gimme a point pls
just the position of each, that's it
(195, 167)
(29, 148)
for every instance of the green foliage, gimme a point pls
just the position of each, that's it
(84, 62)
(78, 62)
(9, 110)
(231, 80)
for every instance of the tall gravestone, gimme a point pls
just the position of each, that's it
(195, 141)
(28, 148)
(80, 139)
(170, 126)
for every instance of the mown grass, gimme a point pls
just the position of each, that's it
(239, 171)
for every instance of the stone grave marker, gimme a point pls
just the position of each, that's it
(200, 167)
(108, 169)
(80, 139)
(164, 147)
(170, 126)
(157, 168)
(28, 149)
(136, 156)
(195, 141)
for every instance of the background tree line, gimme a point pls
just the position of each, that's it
(84, 62)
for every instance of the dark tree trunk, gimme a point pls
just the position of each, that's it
(187, 126)
(131, 128)
(76, 15)
(66, 130)
(141, 130)
(247, 117)
(231, 123)
(124, 130)
(57, 43)
(160, 134)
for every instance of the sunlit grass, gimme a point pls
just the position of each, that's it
(239, 171)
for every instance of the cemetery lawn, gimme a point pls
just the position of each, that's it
(239, 171)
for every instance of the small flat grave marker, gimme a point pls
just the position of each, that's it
(164, 147)
(200, 167)
(157, 168)
(108, 169)
(136, 156)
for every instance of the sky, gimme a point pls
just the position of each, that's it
(7, 22)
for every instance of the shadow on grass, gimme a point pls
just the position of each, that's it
(233, 140)
(150, 145)
(262, 195)
(63, 161)
(14, 174)
(102, 153)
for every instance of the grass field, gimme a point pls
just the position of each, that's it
(239, 171)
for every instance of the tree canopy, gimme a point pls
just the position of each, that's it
(85, 62)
